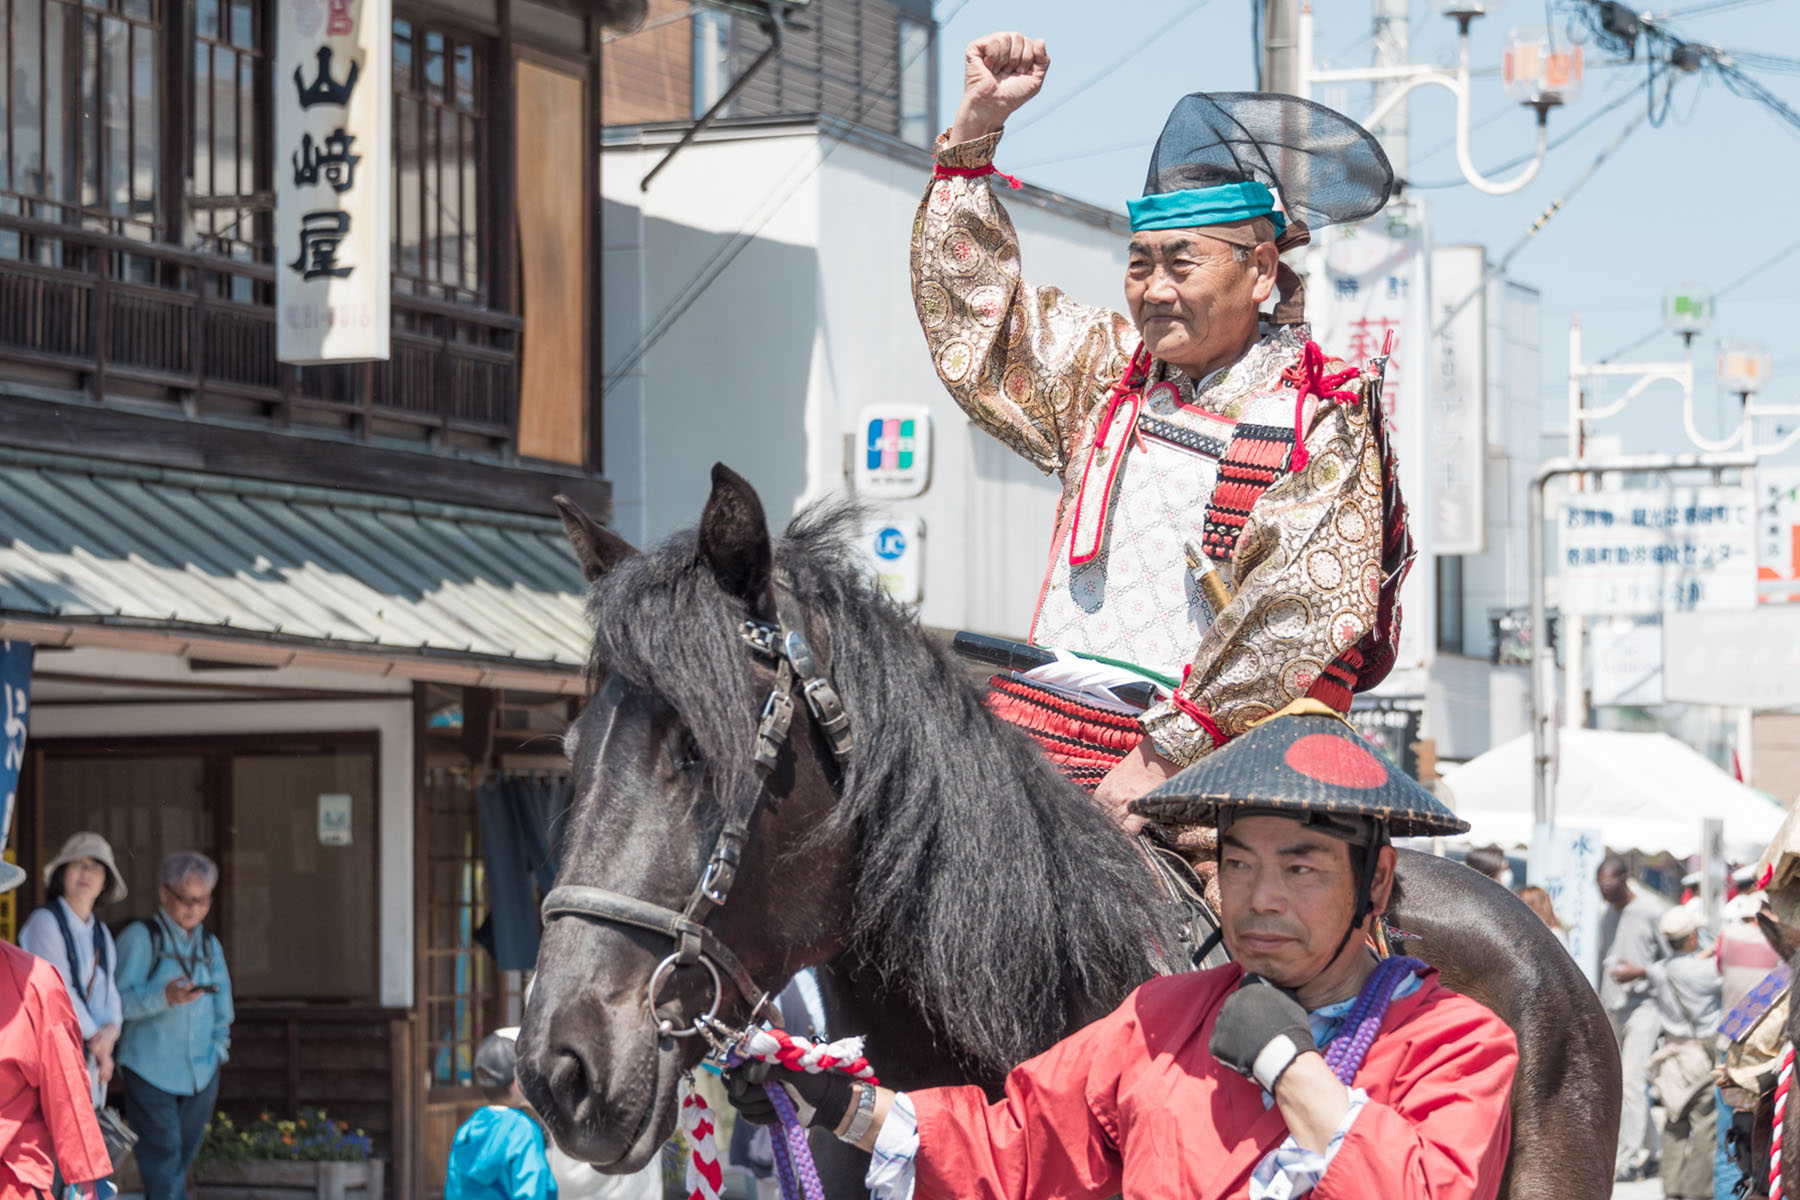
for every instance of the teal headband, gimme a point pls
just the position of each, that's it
(1198, 207)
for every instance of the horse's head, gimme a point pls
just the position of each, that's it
(663, 760)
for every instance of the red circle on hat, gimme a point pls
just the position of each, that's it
(1333, 760)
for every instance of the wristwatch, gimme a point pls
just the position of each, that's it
(864, 1116)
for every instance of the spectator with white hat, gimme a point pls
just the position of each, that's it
(68, 935)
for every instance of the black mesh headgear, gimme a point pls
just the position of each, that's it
(1326, 168)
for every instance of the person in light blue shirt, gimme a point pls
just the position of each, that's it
(498, 1153)
(68, 935)
(176, 998)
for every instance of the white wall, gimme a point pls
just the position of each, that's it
(813, 321)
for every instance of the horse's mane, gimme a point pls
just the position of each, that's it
(989, 891)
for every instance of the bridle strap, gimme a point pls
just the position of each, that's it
(692, 940)
(785, 642)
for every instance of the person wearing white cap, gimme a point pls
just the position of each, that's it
(1686, 987)
(68, 935)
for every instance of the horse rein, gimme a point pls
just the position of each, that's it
(783, 643)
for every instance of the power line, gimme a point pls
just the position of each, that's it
(1110, 67)
(1537, 226)
(772, 203)
(1746, 277)
(1694, 10)
(1139, 144)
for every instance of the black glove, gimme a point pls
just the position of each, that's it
(1261, 1030)
(821, 1100)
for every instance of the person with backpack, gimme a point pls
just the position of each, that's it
(68, 935)
(176, 997)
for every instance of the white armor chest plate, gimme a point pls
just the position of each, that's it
(1135, 601)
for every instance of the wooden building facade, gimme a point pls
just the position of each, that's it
(251, 585)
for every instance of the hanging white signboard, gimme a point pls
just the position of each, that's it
(1459, 402)
(333, 178)
(1643, 551)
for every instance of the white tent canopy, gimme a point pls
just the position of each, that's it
(1642, 791)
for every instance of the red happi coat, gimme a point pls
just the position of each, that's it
(1135, 1104)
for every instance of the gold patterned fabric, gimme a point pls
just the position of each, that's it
(1034, 368)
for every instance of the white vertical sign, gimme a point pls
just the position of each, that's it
(1563, 862)
(333, 175)
(1459, 403)
(1375, 286)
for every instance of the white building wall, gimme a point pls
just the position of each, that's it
(768, 369)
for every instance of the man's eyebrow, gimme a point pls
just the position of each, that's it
(1294, 850)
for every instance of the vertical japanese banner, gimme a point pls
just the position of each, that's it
(1372, 282)
(15, 712)
(1459, 401)
(333, 179)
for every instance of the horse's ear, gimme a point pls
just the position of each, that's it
(597, 548)
(734, 540)
(1785, 939)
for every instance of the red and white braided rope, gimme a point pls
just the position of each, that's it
(1783, 1085)
(800, 1054)
(704, 1175)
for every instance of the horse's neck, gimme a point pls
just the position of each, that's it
(897, 1035)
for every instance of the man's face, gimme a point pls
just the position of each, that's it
(1287, 894)
(1613, 888)
(1194, 304)
(187, 905)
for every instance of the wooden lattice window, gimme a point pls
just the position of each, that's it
(81, 131)
(440, 162)
(466, 996)
(230, 199)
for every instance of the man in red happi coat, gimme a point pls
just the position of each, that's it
(1307, 1065)
(46, 1108)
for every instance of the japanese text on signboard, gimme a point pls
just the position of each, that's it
(1646, 552)
(333, 180)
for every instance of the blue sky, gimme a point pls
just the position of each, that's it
(1704, 198)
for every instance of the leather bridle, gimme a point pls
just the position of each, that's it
(784, 643)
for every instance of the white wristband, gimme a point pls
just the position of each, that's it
(1272, 1060)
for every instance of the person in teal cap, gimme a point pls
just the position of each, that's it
(1229, 533)
(498, 1153)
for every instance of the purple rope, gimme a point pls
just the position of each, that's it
(1354, 1037)
(794, 1164)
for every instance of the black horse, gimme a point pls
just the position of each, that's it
(972, 907)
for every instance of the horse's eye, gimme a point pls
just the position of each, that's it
(684, 754)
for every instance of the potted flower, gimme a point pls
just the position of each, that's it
(308, 1156)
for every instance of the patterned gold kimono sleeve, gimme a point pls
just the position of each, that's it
(1308, 566)
(1026, 363)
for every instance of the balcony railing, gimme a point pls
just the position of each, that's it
(133, 317)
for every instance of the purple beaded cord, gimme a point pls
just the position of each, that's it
(1354, 1037)
(794, 1165)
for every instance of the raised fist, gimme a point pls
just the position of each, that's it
(1000, 72)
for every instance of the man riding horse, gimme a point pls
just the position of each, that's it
(1308, 1064)
(1229, 528)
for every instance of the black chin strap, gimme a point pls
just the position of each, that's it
(1365, 899)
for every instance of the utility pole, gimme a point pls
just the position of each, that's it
(1393, 46)
(1281, 47)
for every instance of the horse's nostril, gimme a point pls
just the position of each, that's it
(569, 1076)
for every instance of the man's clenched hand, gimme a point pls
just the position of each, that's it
(1000, 73)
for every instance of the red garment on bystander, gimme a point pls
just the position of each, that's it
(46, 1109)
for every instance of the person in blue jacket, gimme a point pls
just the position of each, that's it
(499, 1152)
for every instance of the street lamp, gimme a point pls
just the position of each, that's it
(1544, 75)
